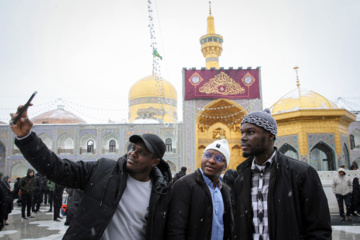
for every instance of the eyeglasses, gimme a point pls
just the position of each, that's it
(217, 157)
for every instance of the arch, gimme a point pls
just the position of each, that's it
(220, 118)
(2, 156)
(168, 143)
(172, 166)
(65, 144)
(345, 151)
(289, 151)
(46, 140)
(90, 146)
(18, 170)
(112, 146)
(322, 157)
(356, 137)
(357, 160)
(110, 143)
(84, 140)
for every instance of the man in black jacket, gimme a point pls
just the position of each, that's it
(276, 197)
(27, 186)
(200, 207)
(123, 199)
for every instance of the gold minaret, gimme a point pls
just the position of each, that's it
(211, 43)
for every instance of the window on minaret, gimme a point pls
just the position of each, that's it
(168, 144)
(210, 39)
(112, 146)
(90, 146)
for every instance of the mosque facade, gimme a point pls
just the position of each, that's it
(311, 128)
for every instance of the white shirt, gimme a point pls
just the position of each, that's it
(129, 220)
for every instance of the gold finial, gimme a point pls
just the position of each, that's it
(209, 7)
(297, 77)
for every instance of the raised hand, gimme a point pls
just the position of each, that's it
(23, 126)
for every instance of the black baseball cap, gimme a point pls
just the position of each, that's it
(153, 143)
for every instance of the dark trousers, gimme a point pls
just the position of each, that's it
(57, 205)
(26, 202)
(45, 196)
(51, 199)
(340, 199)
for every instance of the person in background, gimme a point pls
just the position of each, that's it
(45, 191)
(355, 198)
(200, 207)
(51, 186)
(342, 188)
(5, 185)
(16, 191)
(27, 185)
(37, 199)
(180, 174)
(2, 205)
(57, 201)
(276, 197)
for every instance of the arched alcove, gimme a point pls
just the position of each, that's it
(220, 119)
(18, 170)
(65, 144)
(110, 144)
(322, 157)
(172, 167)
(356, 137)
(289, 151)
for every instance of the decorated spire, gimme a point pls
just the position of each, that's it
(211, 43)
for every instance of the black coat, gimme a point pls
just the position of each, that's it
(103, 182)
(297, 205)
(27, 183)
(191, 210)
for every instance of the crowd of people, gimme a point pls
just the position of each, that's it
(268, 196)
(32, 191)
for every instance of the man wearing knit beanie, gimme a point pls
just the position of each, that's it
(200, 207)
(276, 197)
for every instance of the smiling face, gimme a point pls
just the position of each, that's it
(211, 168)
(256, 141)
(140, 161)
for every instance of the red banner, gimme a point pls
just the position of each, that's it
(222, 83)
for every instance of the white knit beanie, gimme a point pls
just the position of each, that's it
(221, 146)
(341, 170)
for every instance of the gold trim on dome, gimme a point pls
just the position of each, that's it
(222, 84)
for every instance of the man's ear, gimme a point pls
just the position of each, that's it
(156, 161)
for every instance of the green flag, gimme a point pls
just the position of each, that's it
(156, 54)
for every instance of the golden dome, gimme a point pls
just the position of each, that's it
(151, 87)
(57, 116)
(301, 99)
(152, 98)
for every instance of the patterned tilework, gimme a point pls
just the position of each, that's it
(327, 138)
(292, 140)
(304, 158)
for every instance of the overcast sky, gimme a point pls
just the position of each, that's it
(90, 53)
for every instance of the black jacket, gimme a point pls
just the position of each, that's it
(25, 185)
(103, 183)
(191, 210)
(297, 205)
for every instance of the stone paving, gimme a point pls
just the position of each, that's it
(43, 228)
